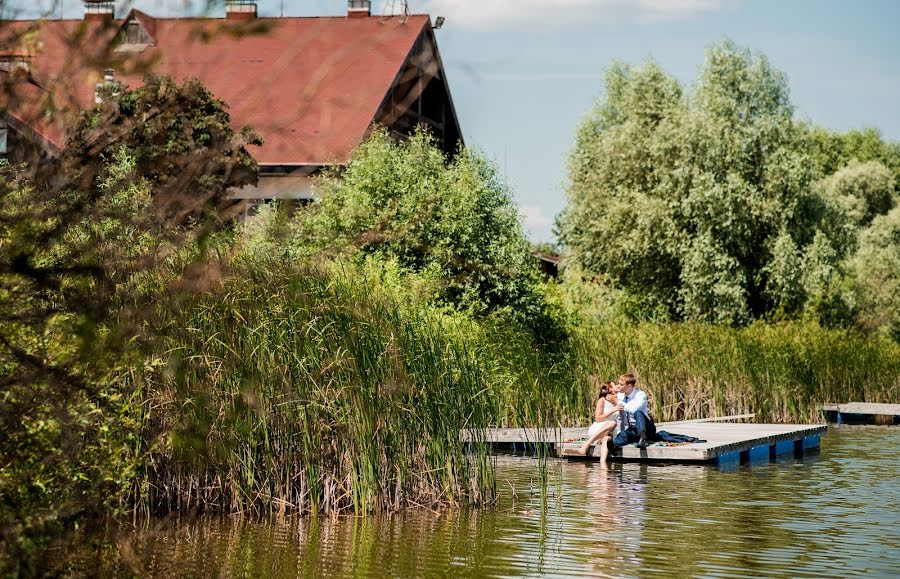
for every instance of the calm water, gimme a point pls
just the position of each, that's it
(832, 514)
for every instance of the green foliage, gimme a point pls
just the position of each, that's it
(69, 408)
(87, 241)
(713, 285)
(876, 270)
(831, 151)
(453, 223)
(717, 205)
(860, 191)
(780, 371)
(307, 388)
(682, 198)
(181, 140)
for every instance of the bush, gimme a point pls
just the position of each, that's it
(451, 222)
(87, 242)
(861, 190)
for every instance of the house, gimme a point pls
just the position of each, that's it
(548, 263)
(312, 88)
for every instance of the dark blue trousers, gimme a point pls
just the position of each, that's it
(642, 423)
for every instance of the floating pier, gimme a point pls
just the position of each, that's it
(862, 412)
(726, 443)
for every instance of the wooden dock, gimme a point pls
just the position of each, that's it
(861, 412)
(725, 443)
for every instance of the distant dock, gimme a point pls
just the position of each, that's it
(726, 443)
(862, 412)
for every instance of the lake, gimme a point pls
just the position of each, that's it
(836, 513)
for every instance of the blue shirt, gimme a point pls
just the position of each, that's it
(637, 400)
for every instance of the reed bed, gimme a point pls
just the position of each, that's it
(301, 391)
(303, 388)
(783, 372)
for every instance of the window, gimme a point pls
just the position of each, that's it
(13, 63)
(134, 33)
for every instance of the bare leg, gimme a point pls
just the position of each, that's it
(607, 428)
(604, 450)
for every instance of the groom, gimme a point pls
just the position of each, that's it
(634, 424)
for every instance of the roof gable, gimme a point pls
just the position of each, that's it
(137, 32)
(420, 95)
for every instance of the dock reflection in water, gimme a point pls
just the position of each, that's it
(832, 514)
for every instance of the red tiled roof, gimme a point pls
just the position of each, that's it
(58, 84)
(30, 110)
(309, 86)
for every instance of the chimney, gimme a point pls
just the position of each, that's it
(240, 9)
(99, 10)
(359, 8)
(109, 77)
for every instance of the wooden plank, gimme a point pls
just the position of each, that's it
(866, 408)
(716, 419)
(523, 435)
(721, 439)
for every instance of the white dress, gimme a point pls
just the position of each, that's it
(596, 426)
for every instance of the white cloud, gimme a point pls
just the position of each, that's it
(533, 216)
(492, 14)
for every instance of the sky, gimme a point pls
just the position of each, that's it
(522, 73)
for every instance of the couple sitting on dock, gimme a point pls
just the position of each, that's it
(620, 417)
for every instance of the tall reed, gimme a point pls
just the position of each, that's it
(782, 372)
(301, 390)
(307, 388)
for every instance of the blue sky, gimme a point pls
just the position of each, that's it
(523, 72)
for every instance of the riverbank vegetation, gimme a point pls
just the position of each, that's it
(159, 357)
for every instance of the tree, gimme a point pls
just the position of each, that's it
(452, 221)
(876, 271)
(861, 191)
(831, 151)
(180, 138)
(616, 161)
(684, 199)
(84, 243)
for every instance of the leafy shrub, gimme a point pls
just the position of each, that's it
(453, 223)
(861, 190)
(87, 242)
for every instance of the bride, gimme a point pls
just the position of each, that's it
(606, 413)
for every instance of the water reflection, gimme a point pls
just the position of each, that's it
(831, 514)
